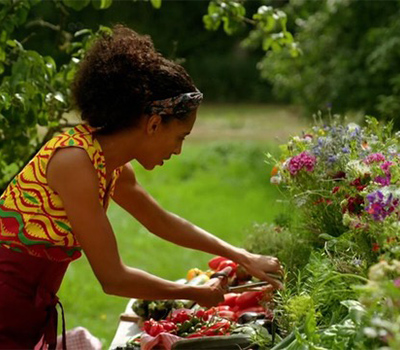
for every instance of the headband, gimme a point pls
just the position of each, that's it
(181, 104)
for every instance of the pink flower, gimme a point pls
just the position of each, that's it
(303, 160)
(396, 282)
(374, 158)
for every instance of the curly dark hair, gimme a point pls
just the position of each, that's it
(119, 75)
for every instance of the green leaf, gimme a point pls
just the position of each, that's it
(31, 118)
(212, 22)
(77, 5)
(1, 68)
(83, 32)
(156, 3)
(101, 4)
(11, 43)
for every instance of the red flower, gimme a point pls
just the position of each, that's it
(375, 247)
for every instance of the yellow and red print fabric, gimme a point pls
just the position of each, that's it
(32, 216)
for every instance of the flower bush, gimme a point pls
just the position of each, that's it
(345, 182)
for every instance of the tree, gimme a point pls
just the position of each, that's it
(350, 61)
(34, 90)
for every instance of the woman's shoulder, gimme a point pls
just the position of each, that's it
(71, 163)
(80, 135)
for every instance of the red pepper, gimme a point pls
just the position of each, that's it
(227, 314)
(214, 262)
(228, 263)
(230, 299)
(218, 328)
(249, 299)
(256, 309)
(195, 335)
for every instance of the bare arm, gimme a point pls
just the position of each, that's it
(133, 198)
(71, 174)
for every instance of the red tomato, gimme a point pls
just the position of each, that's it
(180, 317)
(153, 327)
(230, 299)
(228, 263)
(249, 299)
(201, 313)
(214, 262)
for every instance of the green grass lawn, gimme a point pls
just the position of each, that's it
(220, 182)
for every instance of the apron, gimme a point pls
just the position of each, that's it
(28, 287)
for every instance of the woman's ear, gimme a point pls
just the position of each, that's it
(153, 124)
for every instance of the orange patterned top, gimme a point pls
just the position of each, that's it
(32, 216)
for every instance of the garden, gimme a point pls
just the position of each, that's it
(337, 237)
(295, 154)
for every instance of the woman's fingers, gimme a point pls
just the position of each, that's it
(275, 282)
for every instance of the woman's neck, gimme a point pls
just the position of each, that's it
(119, 148)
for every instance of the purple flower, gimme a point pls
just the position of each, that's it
(379, 207)
(396, 282)
(345, 150)
(303, 160)
(332, 159)
(374, 158)
(386, 167)
(383, 180)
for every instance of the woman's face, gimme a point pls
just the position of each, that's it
(165, 139)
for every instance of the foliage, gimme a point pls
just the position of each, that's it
(350, 58)
(269, 30)
(33, 90)
(291, 248)
(381, 295)
(346, 180)
(370, 323)
(350, 173)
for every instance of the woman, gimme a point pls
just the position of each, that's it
(137, 106)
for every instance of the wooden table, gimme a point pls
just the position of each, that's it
(127, 327)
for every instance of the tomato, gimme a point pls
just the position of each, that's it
(201, 314)
(249, 299)
(168, 326)
(214, 262)
(193, 273)
(181, 316)
(230, 299)
(228, 263)
(153, 327)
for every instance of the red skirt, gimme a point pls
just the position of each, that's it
(28, 287)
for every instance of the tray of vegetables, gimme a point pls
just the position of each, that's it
(237, 322)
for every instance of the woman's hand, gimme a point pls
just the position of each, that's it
(262, 267)
(212, 292)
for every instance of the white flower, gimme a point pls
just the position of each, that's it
(378, 271)
(357, 168)
(353, 127)
(276, 180)
(346, 219)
